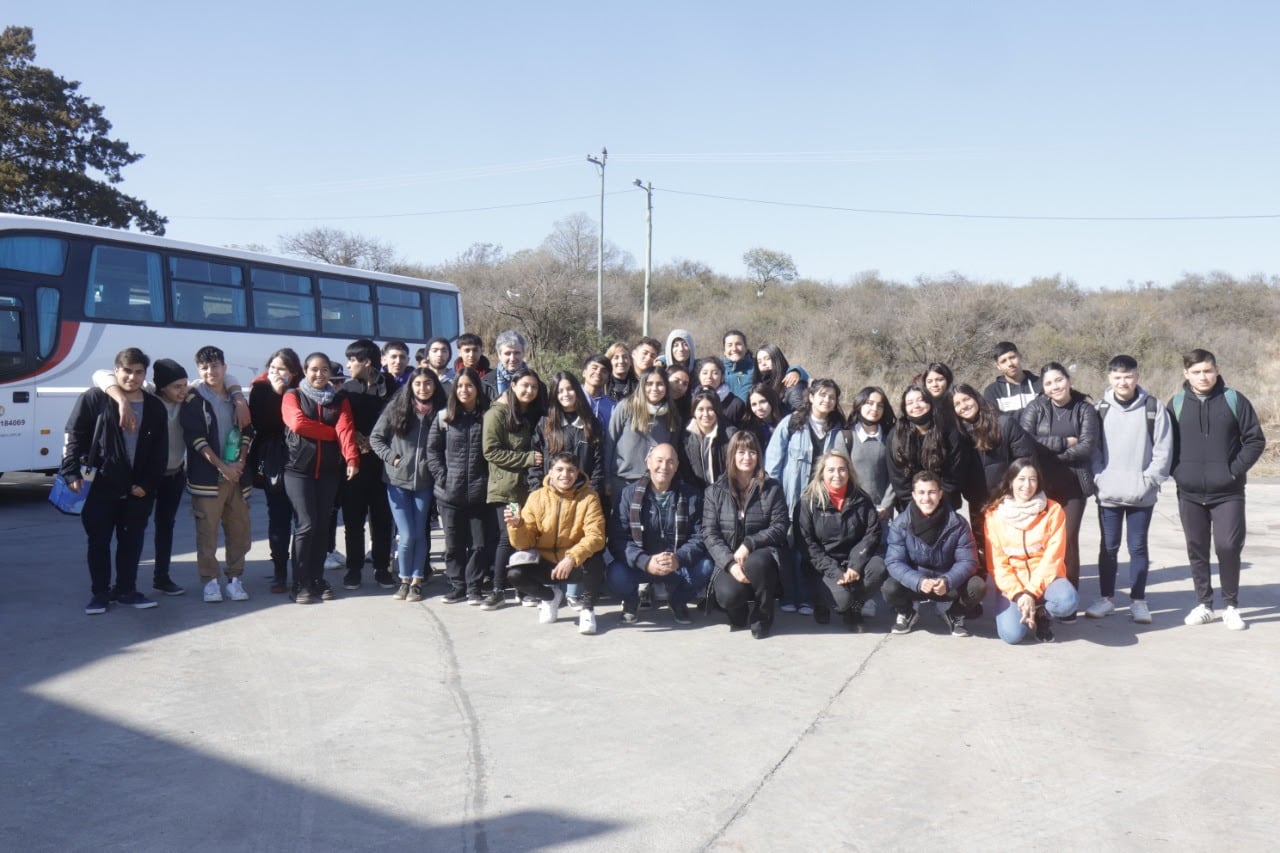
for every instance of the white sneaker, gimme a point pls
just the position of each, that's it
(1232, 619)
(1139, 611)
(334, 560)
(212, 592)
(1101, 607)
(787, 608)
(868, 609)
(549, 611)
(1201, 615)
(587, 622)
(235, 590)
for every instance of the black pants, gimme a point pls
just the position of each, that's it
(107, 513)
(279, 531)
(168, 499)
(748, 603)
(1223, 524)
(536, 579)
(1074, 508)
(366, 496)
(470, 537)
(503, 550)
(312, 502)
(840, 598)
(964, 598)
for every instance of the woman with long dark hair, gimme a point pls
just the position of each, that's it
(321, 434)
(643, 420)
(922, 442)
(938, 380)
(461, 474)
(867, 442)
(744, 526)
(268, 454)
(569, 427)
(711, 375)
(1026, 534)
(679, 382)
(508, 448)
(702, 451)
(764, 412)
(400, 440)
(789, 383)
(1066, 426)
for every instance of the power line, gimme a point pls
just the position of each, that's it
(943, 215)
(394, 215)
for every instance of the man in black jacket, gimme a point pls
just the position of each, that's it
(1216, 440)
(130, 465)
(369, 390)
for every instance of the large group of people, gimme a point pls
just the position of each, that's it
(738, 482)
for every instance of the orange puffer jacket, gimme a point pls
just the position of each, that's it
(1027, 560)
(561, 525)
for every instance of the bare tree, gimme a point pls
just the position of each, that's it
(766, 267)
(342, 248)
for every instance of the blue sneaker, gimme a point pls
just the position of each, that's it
(96, 606)
(136, 600)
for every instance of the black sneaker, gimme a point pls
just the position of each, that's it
(905, 622)
(323, 590)
(646, 598)
(955, 624)
(1044, 625)
(852, 618)
(494, 600)
(385, 579)
(351, 580)
(474, 599)
(302, 595)
(680, 613)
(629, 609)
(167, 587)
(454, 596)
(1069, 619)
(136, 600)
(821, 614)
(96, 606)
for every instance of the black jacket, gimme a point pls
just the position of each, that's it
(702, 461)
(115, 473)
(1059, 461)
(986, 468)
(455, 456)
(761, 523)
(1214, 449)
(953, 464)
(200, 430)
(839, 539)
(590, 454)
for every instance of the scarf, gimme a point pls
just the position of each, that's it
(819, 426)
(635, 515)
(316, 395)
(504, 378)
(838, 496)
(423, 409)
(922, 420)
(927, 528)
(1021, 514)
(655, 411)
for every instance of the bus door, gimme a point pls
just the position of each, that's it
(30, 315)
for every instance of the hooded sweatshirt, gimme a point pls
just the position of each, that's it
(1129, 468)
(688, 339)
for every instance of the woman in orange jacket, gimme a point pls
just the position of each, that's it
(1026, 555)
(564, 524)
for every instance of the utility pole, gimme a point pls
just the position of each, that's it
(604, 157)
(648, 248)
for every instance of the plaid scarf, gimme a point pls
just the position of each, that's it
(635, 514)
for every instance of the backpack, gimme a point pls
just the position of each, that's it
(1152, 413)
(1233, 403)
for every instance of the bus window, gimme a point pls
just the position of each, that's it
(400, 315)
(444, 315)
(43, 255)
(282, 301)
(47, 300)
(207, 294)
(124, 284)
(10, 325)
(345, 308)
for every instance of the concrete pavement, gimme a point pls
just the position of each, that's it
(370, 724)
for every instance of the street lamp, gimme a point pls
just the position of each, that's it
(648, 249)
(603, 158)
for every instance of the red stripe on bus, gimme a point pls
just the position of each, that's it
(66, 339)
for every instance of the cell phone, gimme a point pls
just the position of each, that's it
(514, 506)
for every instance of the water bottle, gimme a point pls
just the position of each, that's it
(231, 447)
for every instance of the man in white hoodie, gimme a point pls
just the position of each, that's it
(1137, 452)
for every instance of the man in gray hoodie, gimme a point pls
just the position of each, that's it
(1137, 452)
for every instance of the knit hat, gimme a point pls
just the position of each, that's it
(166, 371)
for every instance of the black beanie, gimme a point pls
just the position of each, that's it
(166, 371)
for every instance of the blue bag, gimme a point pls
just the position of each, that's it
(61, 496)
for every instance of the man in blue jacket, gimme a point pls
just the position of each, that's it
(931, 557)
(1216, 440)
(656, 531)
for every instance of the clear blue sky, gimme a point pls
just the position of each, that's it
(258, 120)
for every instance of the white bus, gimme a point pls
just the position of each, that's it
(72, 296)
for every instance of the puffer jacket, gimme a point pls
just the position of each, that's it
(455, 455)
(320, 438)
(839, 539)
(952, 557)
(1027, 560)
(761, 522)
(404, 457)
(509, 454)
(590, 454)
(561, 524)
(1058, 460)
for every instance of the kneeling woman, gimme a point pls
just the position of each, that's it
(839, 527)
(321, 434)
(744, 524)
(564, 522)
(1026, 555)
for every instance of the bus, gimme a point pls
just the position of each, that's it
(72, 296)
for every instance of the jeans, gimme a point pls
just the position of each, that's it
(751, 602)
(840, 598)
(682, 585)
(1060, 599)
(470, 538)
(1224, 524)
(535, 580)
(312, 501)
(279, 531)
(108, 513)
(410, 511)
(168, 499)
(1110, 521)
